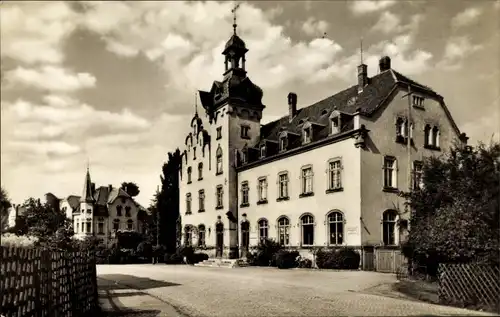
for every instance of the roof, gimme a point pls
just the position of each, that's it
(87, 195)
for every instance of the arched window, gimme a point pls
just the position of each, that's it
(389, 227)
(335, 228)
(427, 133)
(307, 223)
(189, 174)
(435, 137)
(218, 161)
(200, 171)
(263, 229)
(201, 235)
(116, 224)
(284, 231)
(188, 236)
(130, 224)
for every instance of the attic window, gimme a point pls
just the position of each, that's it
(324, 112)
(418, 101)
(307, 135)
(263, 151)
(336, 123)
(283, 143)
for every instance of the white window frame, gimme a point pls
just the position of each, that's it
(337, 218)
(285, 229)
(391, 224)
(263, 225)
(201, 199)
(334, 173)
(283, 181)
(263, 151)
(303, 223)
(262, 188)
(218, 160)
(307, 179)
(188, 203)
(219, 196)
(393, 172)
(245, 190)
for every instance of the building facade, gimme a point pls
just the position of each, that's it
(325, 175)
(102, 211)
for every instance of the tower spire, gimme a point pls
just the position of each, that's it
(361, 49)
(195, 104)
(234, 17)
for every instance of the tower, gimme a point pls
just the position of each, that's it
(87, 205)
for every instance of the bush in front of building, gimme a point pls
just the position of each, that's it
(264, 253)
(173, 258)
(199, 257)
(338, 259)
(286, 259)
(304, 263)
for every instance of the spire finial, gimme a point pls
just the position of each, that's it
(361, 49)
(324, 35)
(234, 17)
(195, 104)
(88, 164)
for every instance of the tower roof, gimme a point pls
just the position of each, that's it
(235, 43)
(87, 196)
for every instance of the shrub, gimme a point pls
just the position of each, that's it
(185, 251)
(175, 259)
(198, 257)
(145, 249)
(10, 239)
(338, 259)
(286, 259)
(264, 253)
(304, 263)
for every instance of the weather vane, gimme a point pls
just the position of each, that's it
(324, 35)
(234, 16)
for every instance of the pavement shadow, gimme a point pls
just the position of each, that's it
(117, 281)
(131, 313)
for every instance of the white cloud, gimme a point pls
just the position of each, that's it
(456, 50)
(57, 148)
(466, 17)
(314, 27)
(391, 23)
(367, 6)
(35, 32)
(52, 78)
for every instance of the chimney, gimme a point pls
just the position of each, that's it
(292, 105)
(384, 63)
(362, 77)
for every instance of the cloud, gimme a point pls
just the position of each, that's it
(56, 148)
(52, 78)
(456, 50)
(35, 32)
(391, 23)
(466, 17)
(367, 6)
(313, 27)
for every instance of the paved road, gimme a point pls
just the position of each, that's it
(198, 291)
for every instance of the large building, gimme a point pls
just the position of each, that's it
(101, 211)
(324, 175)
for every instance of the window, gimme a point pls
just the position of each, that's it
(89, 211)
(188, 203)
(200, 171)
(390, 172)
(194, 153)
(219, 133)
(307, 223)
(283, 185)
(244, 193)
(427, 132)
(335, 228)
(188, 236)
(77, 225)
(219, 196)
(219, 161)
(263, 229)
(435, 137)
(201, 200)
(334, 175)
(417, 175)
(189, 171)
(127, 211)
(89, 227)
(100, 226)
(116, 224)
(201, 235)
(307, 135)
(262, 188)
(307, 180)
(130, 224)
(335, 123)
(244, 132)
(83, 226)
(263, 151)
(283, 231)
(418, 101)
(400, 127)
(283, 143)
(389, 227)
(119, 210)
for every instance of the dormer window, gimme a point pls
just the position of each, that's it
(283, 143)
(263, 151)
(307, 135)
(244, 132)
(335, 122)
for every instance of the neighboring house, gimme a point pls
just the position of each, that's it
(15, 211)
(103, 211)
(327, 174)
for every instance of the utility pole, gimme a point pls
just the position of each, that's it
(408, 136)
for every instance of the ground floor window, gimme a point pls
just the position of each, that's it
(284, 231)
(307, 223)
(263, 229)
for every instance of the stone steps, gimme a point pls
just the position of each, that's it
(227, 263)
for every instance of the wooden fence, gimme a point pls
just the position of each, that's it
(40, 283)
(469, 284)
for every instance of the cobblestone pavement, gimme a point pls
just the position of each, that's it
(201, 291)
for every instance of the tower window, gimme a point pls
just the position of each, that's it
(244, 132)
(189, 172)
(200, 171)
(218, 155)
(219, 196)
(219, 133)
(201, 200)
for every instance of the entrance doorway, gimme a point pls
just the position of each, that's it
(245, 238)
(219, 239)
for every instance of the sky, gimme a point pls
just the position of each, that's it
(112, 84)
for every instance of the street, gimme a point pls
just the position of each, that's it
(181, 290)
